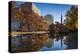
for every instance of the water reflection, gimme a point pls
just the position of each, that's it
(44, 42)
(61, 42)
(54, 44)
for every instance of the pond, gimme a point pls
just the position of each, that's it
(62, 42)
(54, 44)
(38, 42)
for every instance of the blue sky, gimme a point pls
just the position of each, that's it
(54, 9)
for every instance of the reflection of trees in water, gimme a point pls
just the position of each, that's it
(49, 43)
(57, 36)
(30, 42)
(34, 43)
(72, 40)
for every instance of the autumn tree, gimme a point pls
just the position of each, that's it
(72, 18)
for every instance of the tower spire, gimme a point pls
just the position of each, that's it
(61, 18)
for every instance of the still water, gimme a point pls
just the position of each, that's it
(36, 42)
(54, 44)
